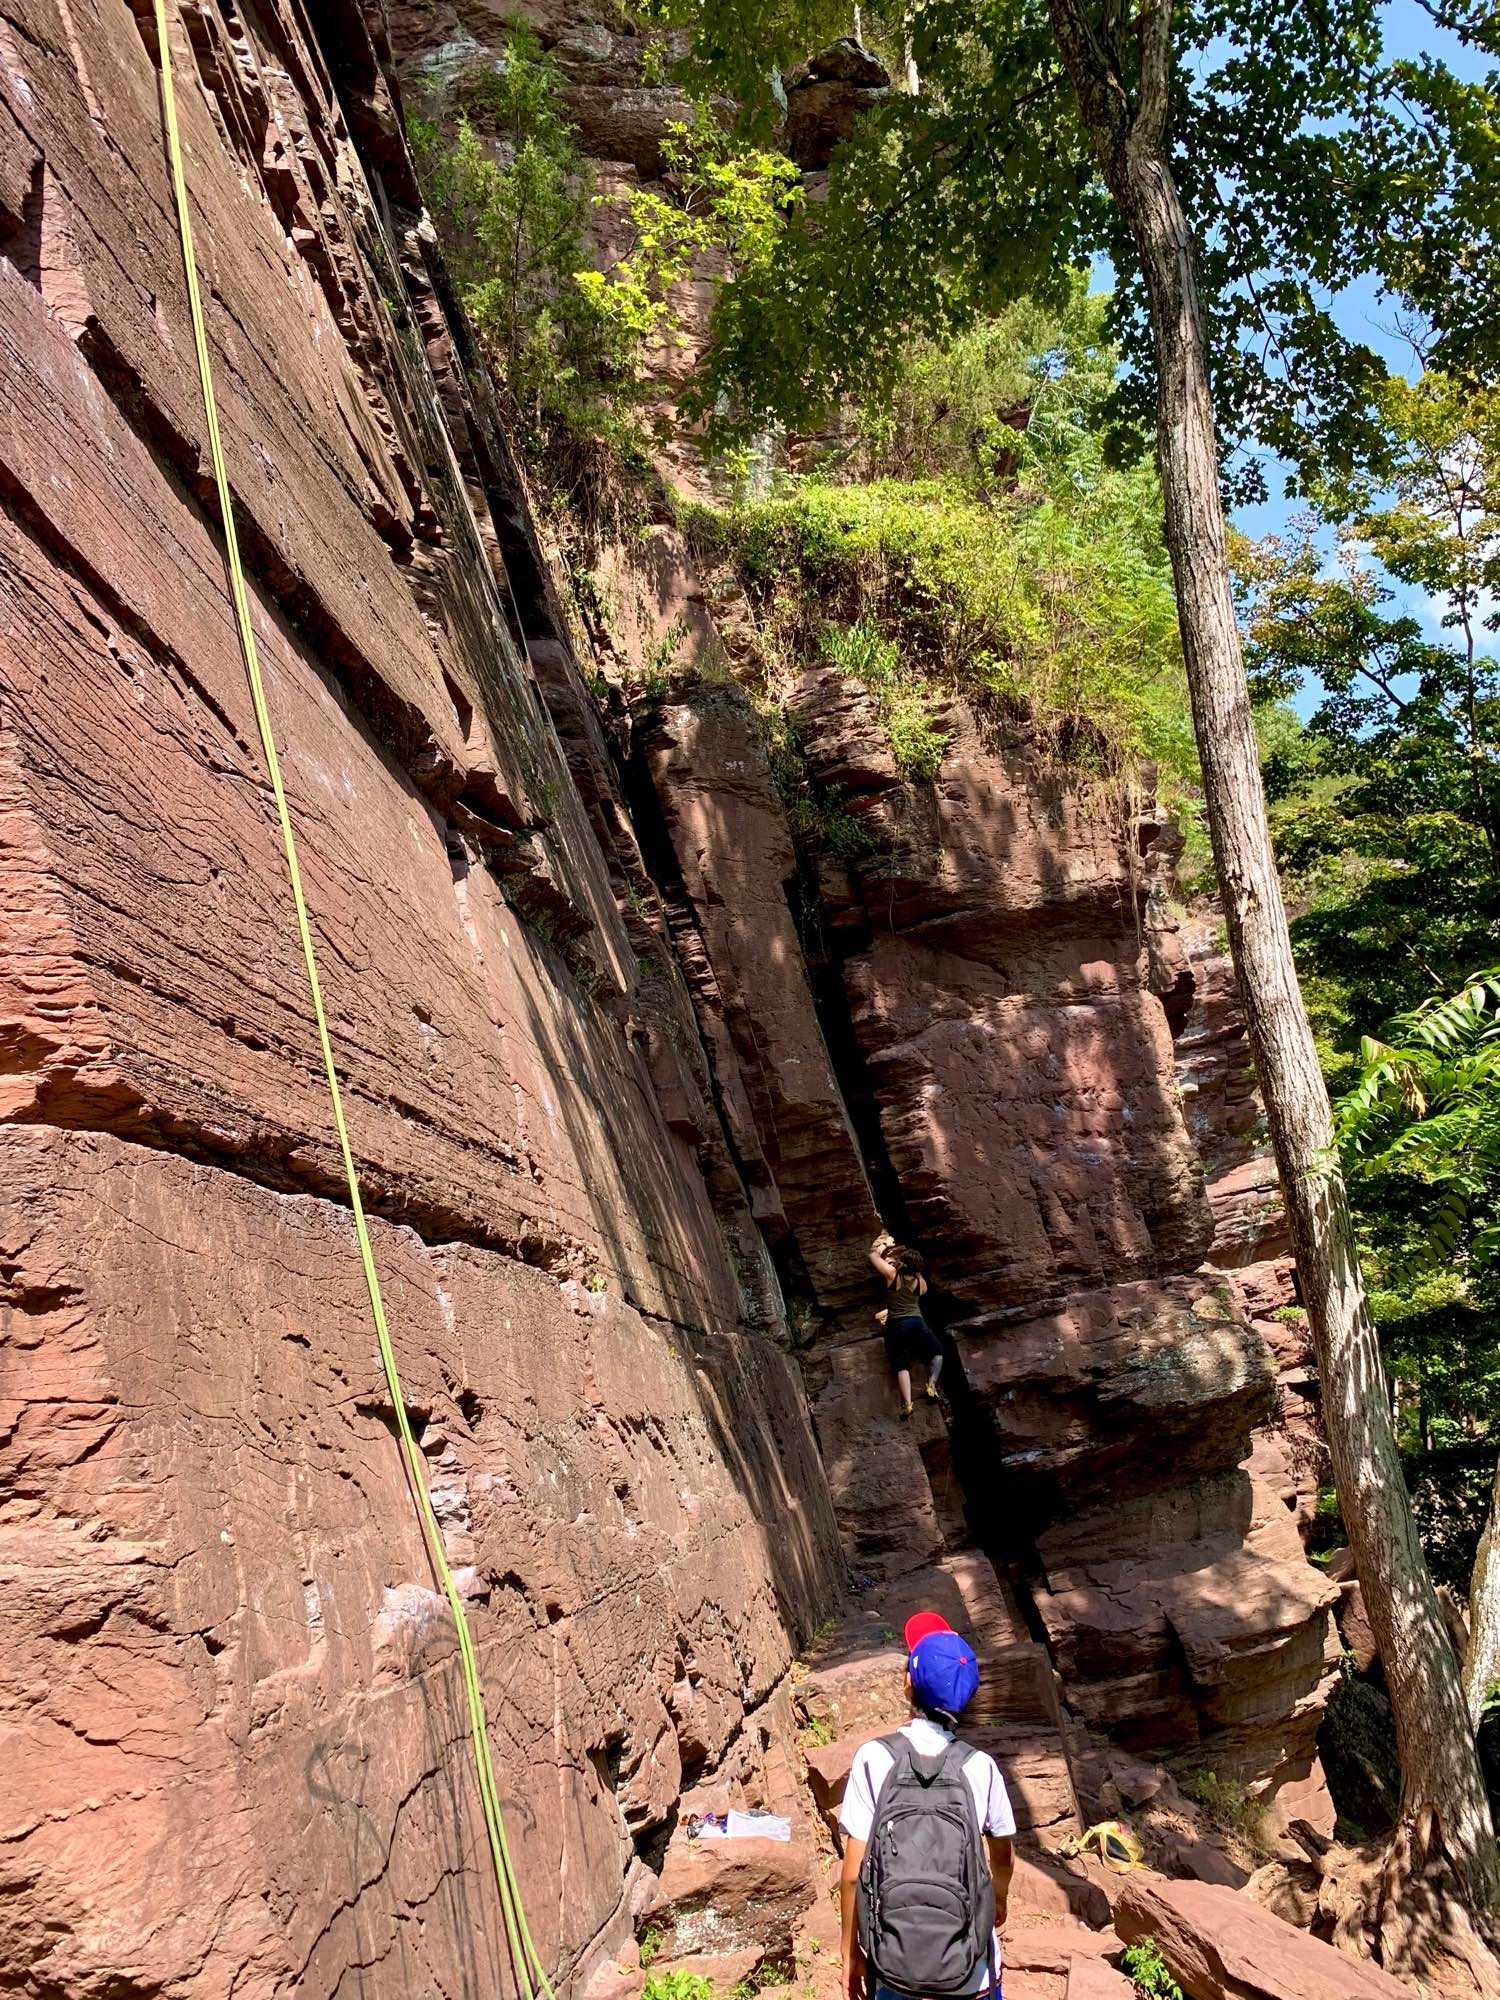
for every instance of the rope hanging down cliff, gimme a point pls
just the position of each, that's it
(531, 1974)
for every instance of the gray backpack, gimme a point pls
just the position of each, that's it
(926, 1903)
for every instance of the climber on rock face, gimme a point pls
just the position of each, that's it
(927, 1826)
(908, 1337)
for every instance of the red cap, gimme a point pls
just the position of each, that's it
(920, 1625)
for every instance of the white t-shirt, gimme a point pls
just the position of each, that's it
(873, 1764)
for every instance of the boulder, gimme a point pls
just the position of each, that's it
(721, 1896)
(1040, 1956)
(846, 61)
(839, 731)
(1185, 1856)
(1136, 1783)
(1056, 1887)
(1187, 1623)
(1093, 1979)
(1153, 1381)
(1221, 1946)
(1357, 1744)
(828, 1768)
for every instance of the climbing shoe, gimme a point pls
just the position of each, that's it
(906, 1413)
(930, 1392)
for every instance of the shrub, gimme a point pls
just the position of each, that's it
(1232, 1808)
(678, 1985)
(767, 1973)
(512, 198)
(864, 652)
(510, 194)
(813, 812)
(1030, 608)
(1148, 1971)
(717, 212)
(649, 1944)
(655, 680)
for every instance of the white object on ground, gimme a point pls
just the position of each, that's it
(758, 1826)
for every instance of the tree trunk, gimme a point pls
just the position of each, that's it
(1439, 1763)
(1482, 1661)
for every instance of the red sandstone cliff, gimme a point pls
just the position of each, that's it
(614, 1096)
(232, 1738)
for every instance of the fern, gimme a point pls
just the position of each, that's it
(1426, 1107)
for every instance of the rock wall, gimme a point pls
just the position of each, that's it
(990, 1013)
(230, 1718)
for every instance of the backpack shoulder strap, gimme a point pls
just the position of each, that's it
(958, 1754)
(955, 1759)
(899, 1750)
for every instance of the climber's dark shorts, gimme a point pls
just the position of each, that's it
(909, 1340)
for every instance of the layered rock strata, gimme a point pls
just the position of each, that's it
(991, 1013)
(233, 1727)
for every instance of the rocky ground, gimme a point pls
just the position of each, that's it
(757, 1915)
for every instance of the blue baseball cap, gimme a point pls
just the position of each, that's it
(944, 1672)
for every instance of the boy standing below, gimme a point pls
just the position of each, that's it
(930, 1925)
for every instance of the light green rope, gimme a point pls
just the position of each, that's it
(523, 1951)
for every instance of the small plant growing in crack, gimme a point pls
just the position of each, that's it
(819, 1731)
(678, 1985)
(1149, 1972)
(768, 1973)
(1234, 1810)
(649, 1944)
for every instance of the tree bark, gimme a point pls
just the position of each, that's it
(1482, 1660)
(1439, 1763)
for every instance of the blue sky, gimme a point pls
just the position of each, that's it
(1410, 31)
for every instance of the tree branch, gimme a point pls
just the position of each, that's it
(1110, 27)
(1097, 82)
(1384, 685)
(1154, 39)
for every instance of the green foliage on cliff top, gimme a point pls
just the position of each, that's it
(972, 533)
(916, 588)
